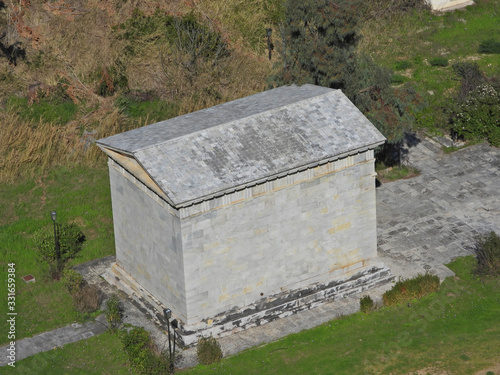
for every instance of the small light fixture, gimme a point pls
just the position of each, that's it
(53, 215)
(167, 313)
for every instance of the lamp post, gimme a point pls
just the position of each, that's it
(172, 359)
(53, 215)
(168, 314)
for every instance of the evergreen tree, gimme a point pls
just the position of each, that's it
(319, 47)
(319, 38)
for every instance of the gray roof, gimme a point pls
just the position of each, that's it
(239, 143)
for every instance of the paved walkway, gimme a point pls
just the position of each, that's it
(426, 221)
(423, 223)
(52, 339)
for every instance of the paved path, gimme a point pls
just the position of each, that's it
(423, 223)
(52, 339)
(426, 221)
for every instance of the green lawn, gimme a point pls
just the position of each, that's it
(420, 37)
(80, 195)
(98, 355)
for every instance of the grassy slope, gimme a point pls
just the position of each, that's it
(418, 38)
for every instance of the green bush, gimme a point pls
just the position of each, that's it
(488, 254)
(208, 350)
(478, 116)
(489, 46)
(402, 65)
(114, 313)
(73, 280)
(366, 304)
(70, 239)
(397, 79)
(409, 289)
(439, 61)
(110, 79)
(135, 104)
(139, 348)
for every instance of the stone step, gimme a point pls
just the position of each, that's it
(144, 300)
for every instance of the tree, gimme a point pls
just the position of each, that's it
(319, 38)
(319, 47)
(70, 239)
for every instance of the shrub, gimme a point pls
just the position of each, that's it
(137, 104)
(70, 239)
(402, 65)
(488, 254)
(87, 299)
(489, 46)
(208, 350)
(114, 313)
(439, 61)
(110, 79)
(366, 304)
(73, 280)
(470, 76)
(409, 289)
(478, 116)
(186, 33)
(397, 79)
(140, 352)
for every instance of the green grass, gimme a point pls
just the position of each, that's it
(154, 110)
(98, 355)
(49, 111)
(454, 36)
(397, 173)
(455, 330)
(79, 195)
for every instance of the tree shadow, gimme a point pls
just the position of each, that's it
(396, 154)
(13, 52)
(410, 140)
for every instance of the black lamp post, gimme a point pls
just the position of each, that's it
(53, 215)
(168, 314)
(172, 360)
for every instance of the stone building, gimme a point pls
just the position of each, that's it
(445, 5)
(248, 211)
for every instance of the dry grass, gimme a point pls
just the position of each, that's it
(28, 148)
(72, 42)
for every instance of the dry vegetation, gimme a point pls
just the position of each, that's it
(72, 49)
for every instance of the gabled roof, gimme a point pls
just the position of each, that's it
(240, 143)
